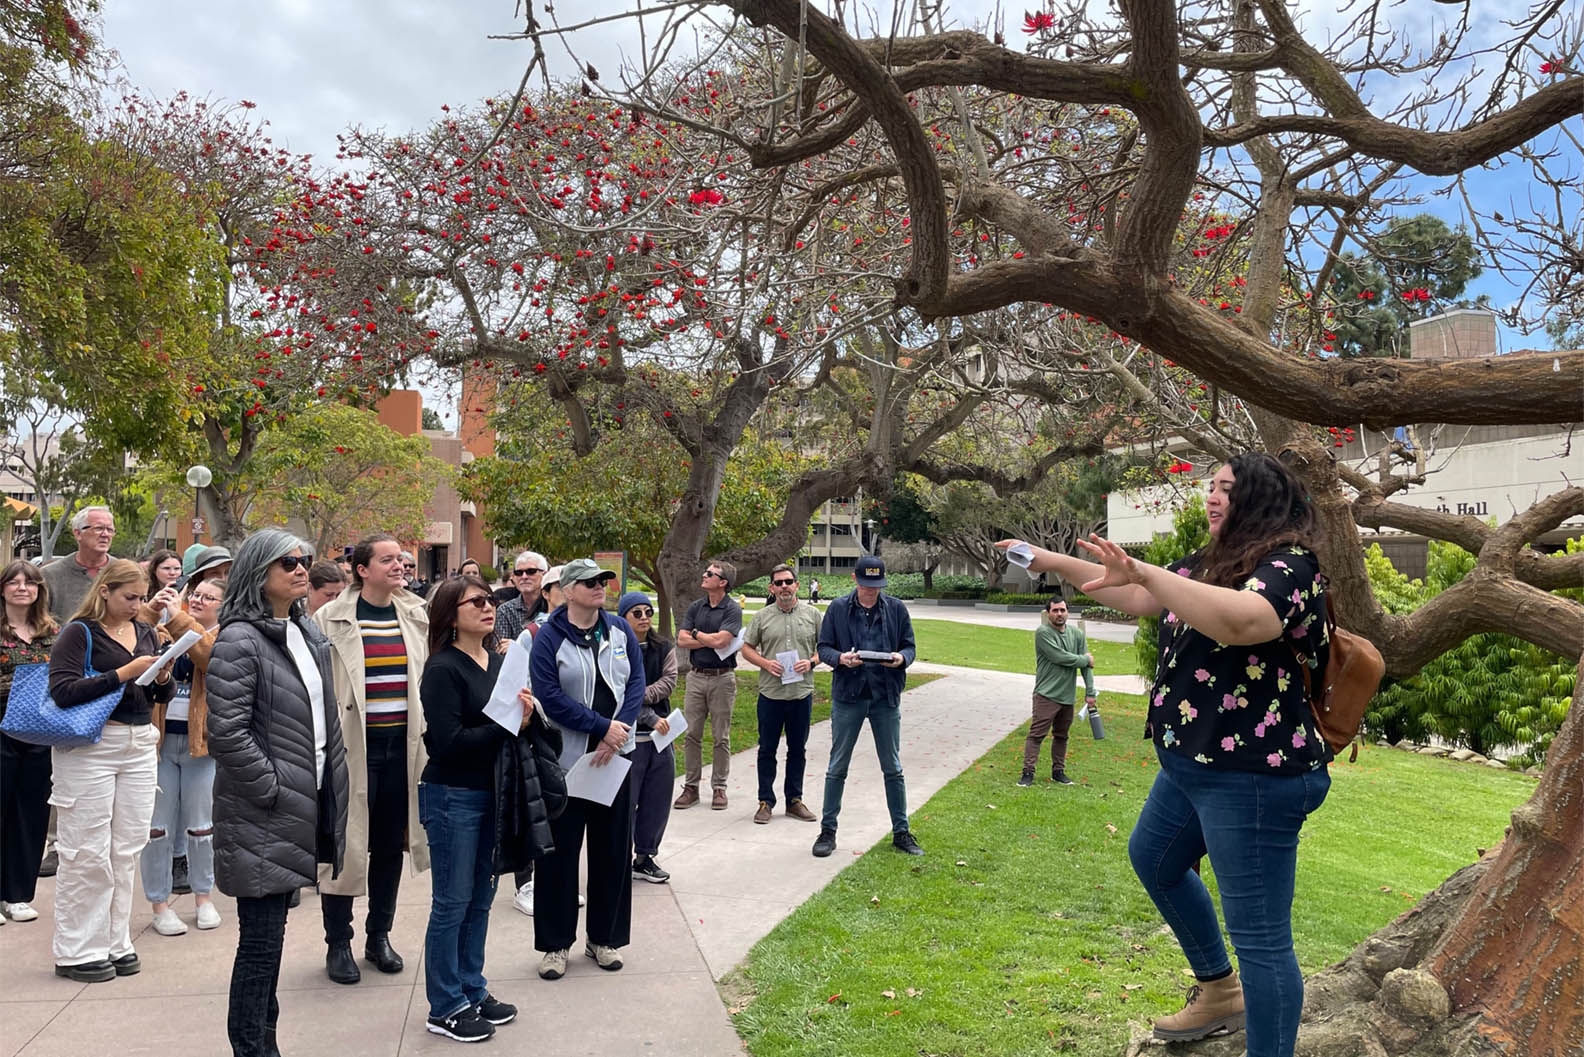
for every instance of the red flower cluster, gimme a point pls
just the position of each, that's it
(1550, 67)
(1178, 466)
(1033, 23)
(707, 197)
(1366, 295)
(1418, 293)
(1340, 436)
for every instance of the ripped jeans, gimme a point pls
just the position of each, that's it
(186, 801)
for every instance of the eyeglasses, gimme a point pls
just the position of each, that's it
(479, 602)
(104, 530)
(640, 612)
(292, 562)
(406, 565)
(208, 600)
(712, 572)
(22, 581)
(783, 583)
(599, 583)
(526, 572)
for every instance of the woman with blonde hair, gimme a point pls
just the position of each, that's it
(27, 631)
(104, 793)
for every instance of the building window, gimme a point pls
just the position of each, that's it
(839, 561)
(840, 530)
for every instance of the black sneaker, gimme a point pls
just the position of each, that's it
(825, 844)
(464, 1026)
(904, 843)
(181, 883)
(127, 965)
(646, 869)
(1026, 779)
(495, 1011)
(1060, 778)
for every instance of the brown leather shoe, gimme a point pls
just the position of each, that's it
(688, 798)
(799, 810)
(718, 800)
(762, 816)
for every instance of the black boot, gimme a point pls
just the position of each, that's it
(181, 884)
(340, 966)
(378, 952)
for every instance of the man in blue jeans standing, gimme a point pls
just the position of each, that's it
(867, 639)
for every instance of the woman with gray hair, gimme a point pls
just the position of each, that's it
(280, 793)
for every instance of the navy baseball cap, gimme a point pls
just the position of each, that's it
(870, 572)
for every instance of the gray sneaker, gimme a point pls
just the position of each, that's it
(1027, 779)
(607, 958)
(553, 965)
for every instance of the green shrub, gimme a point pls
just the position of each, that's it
(1190, 531)
(1009, 598)
(1490, 691)
(839, 581)
(1098, 612)
(969, 594)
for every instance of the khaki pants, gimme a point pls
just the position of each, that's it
(105, 794)
(709, 694)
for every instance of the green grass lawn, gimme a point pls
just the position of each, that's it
(1024, 931)
(745, 710)
(1005, 649)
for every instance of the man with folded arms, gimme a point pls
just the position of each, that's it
(710, 625)
(790, 626)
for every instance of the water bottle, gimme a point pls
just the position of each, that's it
(1095, 726)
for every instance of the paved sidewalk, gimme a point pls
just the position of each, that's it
(732, 881)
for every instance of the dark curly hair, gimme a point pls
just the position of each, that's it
(1267, 508)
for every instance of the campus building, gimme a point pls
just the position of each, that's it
(1489, 472)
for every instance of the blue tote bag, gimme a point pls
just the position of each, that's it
(32, 716)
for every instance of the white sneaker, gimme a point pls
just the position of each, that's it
(581, 901)
(19, 911)
(523, 900)
(208, 916)
(166, 923)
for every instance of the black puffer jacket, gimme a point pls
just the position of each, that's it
(272, 823)
(530, 791)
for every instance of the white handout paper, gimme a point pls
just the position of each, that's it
(504, 707)
(168, 658)
(599, 784)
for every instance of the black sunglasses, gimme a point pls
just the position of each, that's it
(526, 572)
(478, 602)
(640, 611)
(783, 583)
(293, 562)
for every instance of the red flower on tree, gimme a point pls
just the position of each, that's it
(1033, 23)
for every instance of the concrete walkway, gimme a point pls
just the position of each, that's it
(732, 881)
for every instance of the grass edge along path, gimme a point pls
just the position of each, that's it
(1024, 931)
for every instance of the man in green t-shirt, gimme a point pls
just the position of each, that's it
(783, 643)
(1060, 653)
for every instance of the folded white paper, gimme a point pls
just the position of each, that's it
(678, 724)
(599, 784)
(788, 658)
(730, 648)
(1021, 555)
(168, 658)
(504, 706)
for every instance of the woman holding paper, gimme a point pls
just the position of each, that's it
(186, 773)
(104, 793)
(587, 670)
(456, 804)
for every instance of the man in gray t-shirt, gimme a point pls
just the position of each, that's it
(710, 625)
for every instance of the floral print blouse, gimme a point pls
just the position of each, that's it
(1245, 708)
(15, 652)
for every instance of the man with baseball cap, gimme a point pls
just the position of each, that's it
(867, 639)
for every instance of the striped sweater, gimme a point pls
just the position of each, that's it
(384, 668)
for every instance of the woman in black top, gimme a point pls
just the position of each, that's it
(456, 803)
(104, 793)
(1242, 764)
(27, 632)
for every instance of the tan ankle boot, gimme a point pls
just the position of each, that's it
(1213, 1006)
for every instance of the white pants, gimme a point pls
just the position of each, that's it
(105, 797)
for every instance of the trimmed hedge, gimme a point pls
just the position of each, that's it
(1009, 598)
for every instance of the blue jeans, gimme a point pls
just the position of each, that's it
(1248, 824)
(885, 724)
(774, 717)
(460, 824)
(184, 803)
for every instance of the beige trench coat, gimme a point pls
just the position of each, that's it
(339, 621)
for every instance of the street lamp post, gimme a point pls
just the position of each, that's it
(198, 477)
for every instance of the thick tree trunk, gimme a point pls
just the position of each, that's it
(1516, 953)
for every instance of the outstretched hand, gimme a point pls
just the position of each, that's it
(1120, 569)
